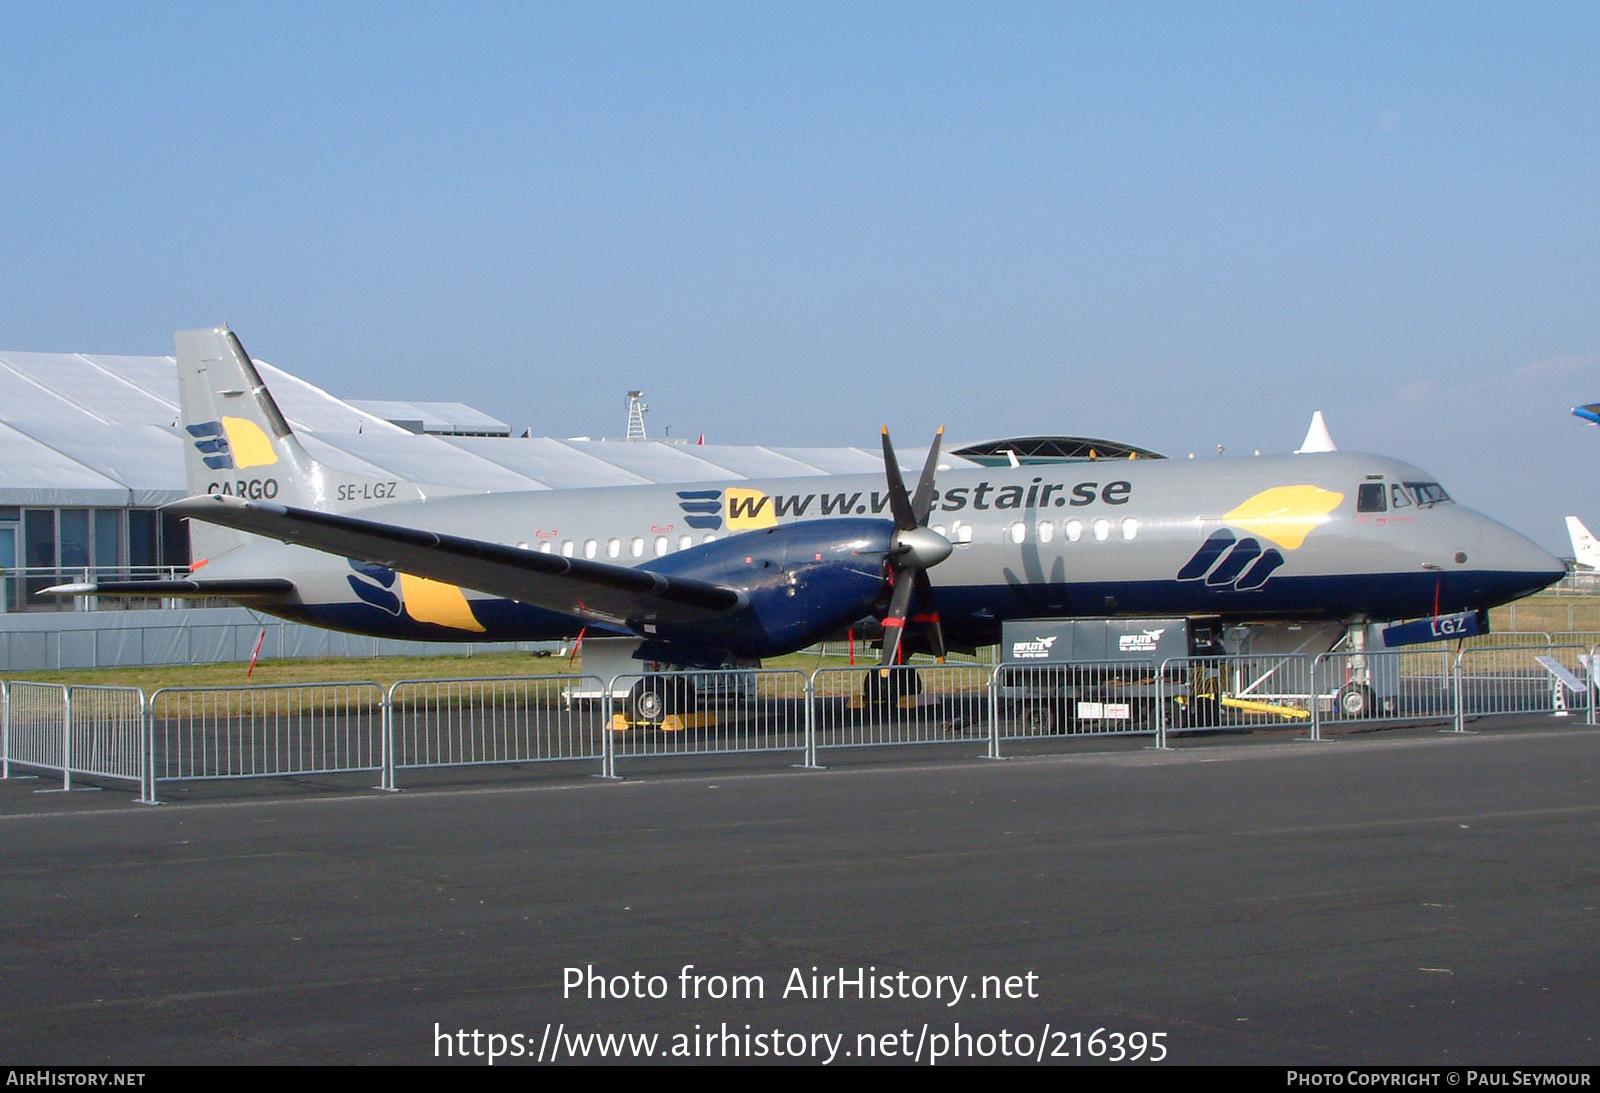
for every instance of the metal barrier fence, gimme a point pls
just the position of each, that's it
(874, 707)
(503, 719)
(107, 734)
(706, 713)
(1526, 679)
(182, 734)
(36, 728)
(252, 732)
(1233, 692)
(1387, 685)
(1097, 698)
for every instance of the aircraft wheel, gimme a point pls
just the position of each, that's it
(876, 690)
(1041, 716)
(647, 702)
(1355, 701)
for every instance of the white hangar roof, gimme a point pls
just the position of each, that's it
(96, 430)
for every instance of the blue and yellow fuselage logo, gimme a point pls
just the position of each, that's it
(1283, 516)
(418, 598)
(737, 509)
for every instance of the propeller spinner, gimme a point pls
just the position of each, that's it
(915, 548)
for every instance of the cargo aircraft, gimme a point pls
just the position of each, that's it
(733, 572)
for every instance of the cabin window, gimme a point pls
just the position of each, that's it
(661, 546)
(1074, 530)
(709, 538)
(546, 547)
(1130, 529)
(1047, 531)
(1102, 530)
(960, 533)
(1019, 532)
(590, 548)
(685, 542)
(1428, 494)
(636, 547)
(1371, 498)
(613, 548)
(566, 549)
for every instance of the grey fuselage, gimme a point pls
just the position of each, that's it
(1253, 539)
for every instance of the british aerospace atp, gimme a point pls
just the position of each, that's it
(718, 573)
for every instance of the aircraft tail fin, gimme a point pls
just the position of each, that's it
(238, 440)
(1585, 547)
(239, 444)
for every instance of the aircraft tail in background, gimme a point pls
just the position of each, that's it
(1585, 547)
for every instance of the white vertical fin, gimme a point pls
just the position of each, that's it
(1318, 439)
(238, 443)
(1585, 547)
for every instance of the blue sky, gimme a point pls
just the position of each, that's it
(1180, 225)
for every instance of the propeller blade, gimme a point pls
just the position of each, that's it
(894, 621)
(899, 501)
(923, 501)
(930, 616)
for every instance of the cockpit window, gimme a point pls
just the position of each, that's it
(1370, 498)
(1399, 497)
(1428, 494)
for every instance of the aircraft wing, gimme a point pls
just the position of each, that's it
(571, 586)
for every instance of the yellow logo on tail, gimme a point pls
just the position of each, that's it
(1285, 514)
(251, 447)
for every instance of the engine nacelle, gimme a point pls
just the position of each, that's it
(801, 583)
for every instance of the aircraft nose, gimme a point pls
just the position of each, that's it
(1514, 564)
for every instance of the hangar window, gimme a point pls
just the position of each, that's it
(636, 547)
(1047, 531)
(1370, 498)
(685, 542)
(1073, 530)
(590, 548)
(661, 545)
(1019, 532)
(74, 538)
(1130, 529)
(566, 549)
(613, 548)
(1102, 529)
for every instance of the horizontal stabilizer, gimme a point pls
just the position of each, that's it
(265, 588)
(584, 589)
